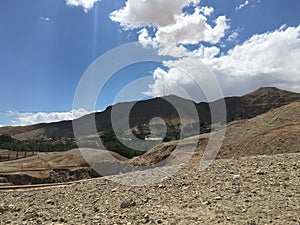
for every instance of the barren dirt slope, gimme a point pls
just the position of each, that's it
(54, 160)
(274, 132)
(51, 167)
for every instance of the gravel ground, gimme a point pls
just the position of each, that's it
(252, 190)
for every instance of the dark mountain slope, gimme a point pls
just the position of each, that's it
(245, 107)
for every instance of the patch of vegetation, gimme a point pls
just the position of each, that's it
(8, 142)
(111, 142)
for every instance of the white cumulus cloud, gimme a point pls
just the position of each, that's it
(86, 4)
(192, 29)
(23, 119)
(140, 13)
(270, 53)
(207, 11)
(268, 59)
(171, 23)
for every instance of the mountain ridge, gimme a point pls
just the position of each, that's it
(238, 107)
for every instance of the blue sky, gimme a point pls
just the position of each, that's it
(47, 45)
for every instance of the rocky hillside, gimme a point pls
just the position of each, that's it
(249, 191)
(259, 101)
(274, 132)
(248, 106)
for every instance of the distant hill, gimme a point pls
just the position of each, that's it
(271, 133)
(258, 102)
(244, 107)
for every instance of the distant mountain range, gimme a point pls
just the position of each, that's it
(244, 107)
